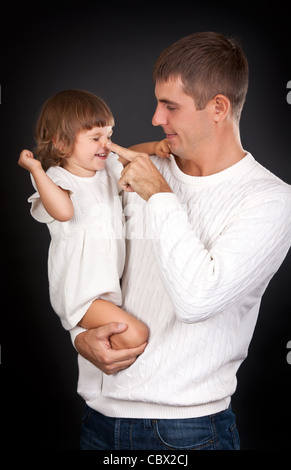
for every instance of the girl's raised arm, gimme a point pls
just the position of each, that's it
(55, 200)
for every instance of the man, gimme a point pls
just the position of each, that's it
(207, 229)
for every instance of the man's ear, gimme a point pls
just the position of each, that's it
(221, 108)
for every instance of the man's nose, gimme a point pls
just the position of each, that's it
(159, 118)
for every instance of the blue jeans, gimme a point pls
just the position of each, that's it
(213, 432)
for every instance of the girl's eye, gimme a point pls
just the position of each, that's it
(96, 139)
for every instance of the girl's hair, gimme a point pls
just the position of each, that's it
(208, 64)
(64, 115)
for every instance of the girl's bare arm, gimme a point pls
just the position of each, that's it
(55, 200)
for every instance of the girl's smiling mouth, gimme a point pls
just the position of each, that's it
(103, 156)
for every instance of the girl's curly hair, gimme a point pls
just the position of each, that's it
(64, 115)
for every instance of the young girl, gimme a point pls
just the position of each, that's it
(77, 195)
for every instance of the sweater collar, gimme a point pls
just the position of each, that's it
(234, 171)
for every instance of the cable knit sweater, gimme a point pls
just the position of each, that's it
(198, 262)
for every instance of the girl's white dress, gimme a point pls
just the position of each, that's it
(87, 253)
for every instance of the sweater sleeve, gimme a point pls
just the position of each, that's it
(203, 281)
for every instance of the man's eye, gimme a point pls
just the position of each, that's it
(171, 108)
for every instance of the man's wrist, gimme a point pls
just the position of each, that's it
(74, 332)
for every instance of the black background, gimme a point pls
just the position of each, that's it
(109, 49)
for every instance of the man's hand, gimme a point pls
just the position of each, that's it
(141, 175)
(94, 345)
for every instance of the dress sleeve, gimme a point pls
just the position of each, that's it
(114, 166)
(37, 210)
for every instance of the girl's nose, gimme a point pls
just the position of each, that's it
(103, 141)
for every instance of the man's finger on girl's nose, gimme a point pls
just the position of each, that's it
(122, 151)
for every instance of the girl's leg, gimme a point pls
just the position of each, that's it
(102, 312)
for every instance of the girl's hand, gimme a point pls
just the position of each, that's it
(162, 149)
(26, 160)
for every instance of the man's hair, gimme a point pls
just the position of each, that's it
(63, 116)
(208, 64)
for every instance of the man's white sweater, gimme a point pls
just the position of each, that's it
(198, 262)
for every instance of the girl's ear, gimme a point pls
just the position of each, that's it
(58, 144)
